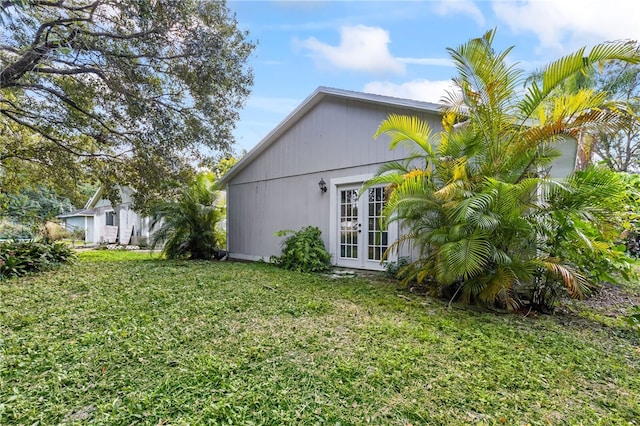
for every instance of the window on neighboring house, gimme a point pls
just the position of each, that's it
(110, 218)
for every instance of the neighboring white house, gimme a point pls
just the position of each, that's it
(329, 139)
(102, 222)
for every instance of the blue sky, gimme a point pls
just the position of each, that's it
(398, 48)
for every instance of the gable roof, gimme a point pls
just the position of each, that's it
(77, 213)
(91, 202)
(316, 97)
(125, 195)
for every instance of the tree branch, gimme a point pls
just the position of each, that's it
(109, 35)
(5, 4)
(59, 142)
(72, 104)
(70, 71)
(27, 62)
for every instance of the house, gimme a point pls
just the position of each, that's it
(102, 222)
(309, 171)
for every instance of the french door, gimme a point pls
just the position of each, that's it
(361, 240)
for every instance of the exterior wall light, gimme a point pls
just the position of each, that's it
(323, 185)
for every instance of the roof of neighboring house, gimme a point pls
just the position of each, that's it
(318, 95)
(89, 207)
(125, 194)
(91, 202)
(78, 213)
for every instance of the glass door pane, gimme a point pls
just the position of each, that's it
(377, 237)
(348, 220)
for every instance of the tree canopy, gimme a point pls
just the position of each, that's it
(133, 92)
(34, 205)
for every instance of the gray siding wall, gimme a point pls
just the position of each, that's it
(336, 134)
(563, 166)
(256, 210)
(279, 189)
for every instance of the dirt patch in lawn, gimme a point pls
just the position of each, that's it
(610, 306)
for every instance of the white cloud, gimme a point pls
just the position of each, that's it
(419, 90)
(563, 26)
(361, 48)
(464, 7)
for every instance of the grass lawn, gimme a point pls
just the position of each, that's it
(120, 338)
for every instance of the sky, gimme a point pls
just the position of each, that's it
(399, 48)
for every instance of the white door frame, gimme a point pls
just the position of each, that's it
(334, 241)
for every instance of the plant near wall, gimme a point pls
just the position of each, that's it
(303, 251)
(397, 269)
(476, 199)
(187, 226)
(582, 223)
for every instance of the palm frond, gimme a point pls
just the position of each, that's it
(497, 285)
(186, 227)
(557, 72)
(408, 131)
(576, 284)
(467, 257)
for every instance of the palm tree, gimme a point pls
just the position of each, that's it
(474, 197)
(187, 227)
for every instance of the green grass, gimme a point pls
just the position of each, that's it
(123, 338)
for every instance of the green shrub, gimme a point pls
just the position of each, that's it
(77, 234)
(397, 269)
(475, 197)
(14, 231)
(303, 251)
(22, 257)
(631, 236)
(187, 227)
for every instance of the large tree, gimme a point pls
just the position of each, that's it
(121, 91)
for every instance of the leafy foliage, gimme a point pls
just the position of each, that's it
(303, 251)
(582, 226)
(397, 269)
(490, 223)
(15, 231)
(619, 147)
(631, 236)
(34, 205)
(130, 92)
(24, 257)
(634, 319)
(187, 227)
